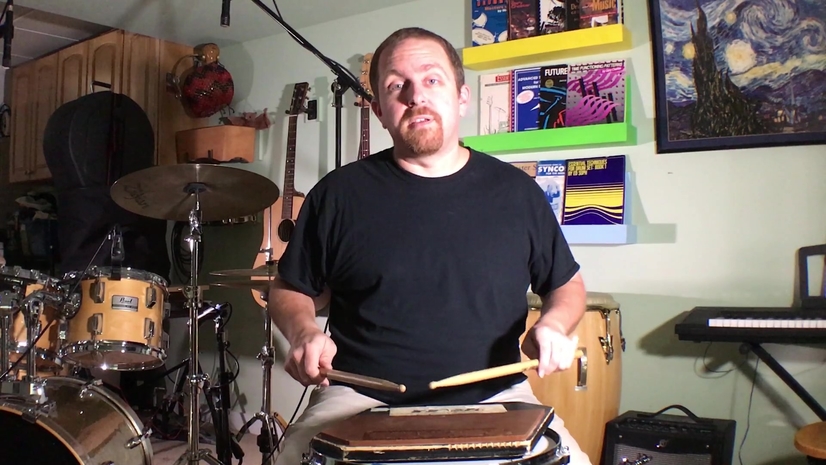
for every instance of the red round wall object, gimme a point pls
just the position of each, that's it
(207, 89)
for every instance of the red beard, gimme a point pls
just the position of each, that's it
(424, 140)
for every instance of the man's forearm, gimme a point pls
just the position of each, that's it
(564, 306)
(292, 312)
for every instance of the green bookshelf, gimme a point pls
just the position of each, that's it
(594, 135)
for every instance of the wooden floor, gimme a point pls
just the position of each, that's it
(168, 452)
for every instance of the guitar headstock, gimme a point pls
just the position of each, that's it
(364, 80)
(299, 96)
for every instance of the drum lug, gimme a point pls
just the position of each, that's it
(62, 329)
(607, 341)
(151, 297)
(562, 451)
(136, 441)
(84, 391)
(96, 291)
(96, 325)
(148, 329)
(582, 371)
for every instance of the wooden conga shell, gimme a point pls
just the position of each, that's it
(588, 394)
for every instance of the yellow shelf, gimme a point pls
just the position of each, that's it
(515, 53)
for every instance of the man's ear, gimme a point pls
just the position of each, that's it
(464, 99)
(376, 106)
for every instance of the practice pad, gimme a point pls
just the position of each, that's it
(166, 192)
(464, 432)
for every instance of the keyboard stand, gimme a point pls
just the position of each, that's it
(787, 378)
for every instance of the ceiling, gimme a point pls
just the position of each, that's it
(192, 22)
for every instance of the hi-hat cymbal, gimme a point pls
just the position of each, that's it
(167, 192)
(261, 285)
(248, 273)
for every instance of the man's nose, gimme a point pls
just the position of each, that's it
(415, 95)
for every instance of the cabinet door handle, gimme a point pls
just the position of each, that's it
(94, 84)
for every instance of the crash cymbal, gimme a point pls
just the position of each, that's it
(260, 285)
(166, 192)
(248, 273)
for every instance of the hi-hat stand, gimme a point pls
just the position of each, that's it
(194, 453)
(266, 438)
(344, 78)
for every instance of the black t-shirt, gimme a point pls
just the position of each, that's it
(428, 275)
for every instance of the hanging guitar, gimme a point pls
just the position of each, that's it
(284, 211)
(364, 145)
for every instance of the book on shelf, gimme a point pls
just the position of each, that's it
(596, 93)
(595, 191)
(553, 96)
(550, 175)
(596, 13)
(495, 21)
(494, 103)
(582, 191)
(523, 19)
(524, 99)
(489, 21)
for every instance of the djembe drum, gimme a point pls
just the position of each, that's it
(588, 394)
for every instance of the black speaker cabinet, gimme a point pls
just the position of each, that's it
(635, 438)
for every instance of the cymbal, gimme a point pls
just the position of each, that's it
(166, 192)
(260, 285)
(245, 272)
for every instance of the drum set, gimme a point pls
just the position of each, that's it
(110, 318)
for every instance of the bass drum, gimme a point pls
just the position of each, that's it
(588, 394)
(78, 424)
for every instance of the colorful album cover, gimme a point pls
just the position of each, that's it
(489, 21)
(553, 92)
(525, 99)
(523, 16)
(596, 13)
(558, 16)
(494, 103)
(595, 191)
(550, 175)
(596, 93)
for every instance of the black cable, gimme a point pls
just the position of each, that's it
(748, 412)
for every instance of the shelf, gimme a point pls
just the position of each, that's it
(599, 234)
(515, 53)
(593, 135)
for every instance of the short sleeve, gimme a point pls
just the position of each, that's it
(301, 264)
(552, 263)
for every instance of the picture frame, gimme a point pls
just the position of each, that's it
(757, 87)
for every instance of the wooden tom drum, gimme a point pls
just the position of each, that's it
(588, 394)
(119, 325)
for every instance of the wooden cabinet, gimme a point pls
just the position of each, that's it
(131, 64)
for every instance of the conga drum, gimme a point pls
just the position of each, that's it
(587, 395)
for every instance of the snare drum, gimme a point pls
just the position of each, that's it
(548, 450)
(79, 424)
(119, 325)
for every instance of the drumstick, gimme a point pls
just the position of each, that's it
(361, 380)
(490, 373)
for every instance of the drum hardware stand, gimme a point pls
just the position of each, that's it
(225, 445)
(8, 305)
(266, 438)
(196, 379)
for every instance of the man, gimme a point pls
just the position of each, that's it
(424, 252)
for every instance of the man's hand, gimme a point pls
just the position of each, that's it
(546, 342)
(309, 354)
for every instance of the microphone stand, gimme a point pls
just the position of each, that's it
(344, 78)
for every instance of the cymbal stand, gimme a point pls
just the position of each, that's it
(196, 379)
(266, 438)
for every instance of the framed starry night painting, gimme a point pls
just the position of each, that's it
(734, 74)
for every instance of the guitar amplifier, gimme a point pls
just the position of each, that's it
(635, 438)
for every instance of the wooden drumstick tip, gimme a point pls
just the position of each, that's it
(490, 373)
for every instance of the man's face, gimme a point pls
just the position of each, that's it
(417, 99)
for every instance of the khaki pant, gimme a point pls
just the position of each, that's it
(329, 404)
